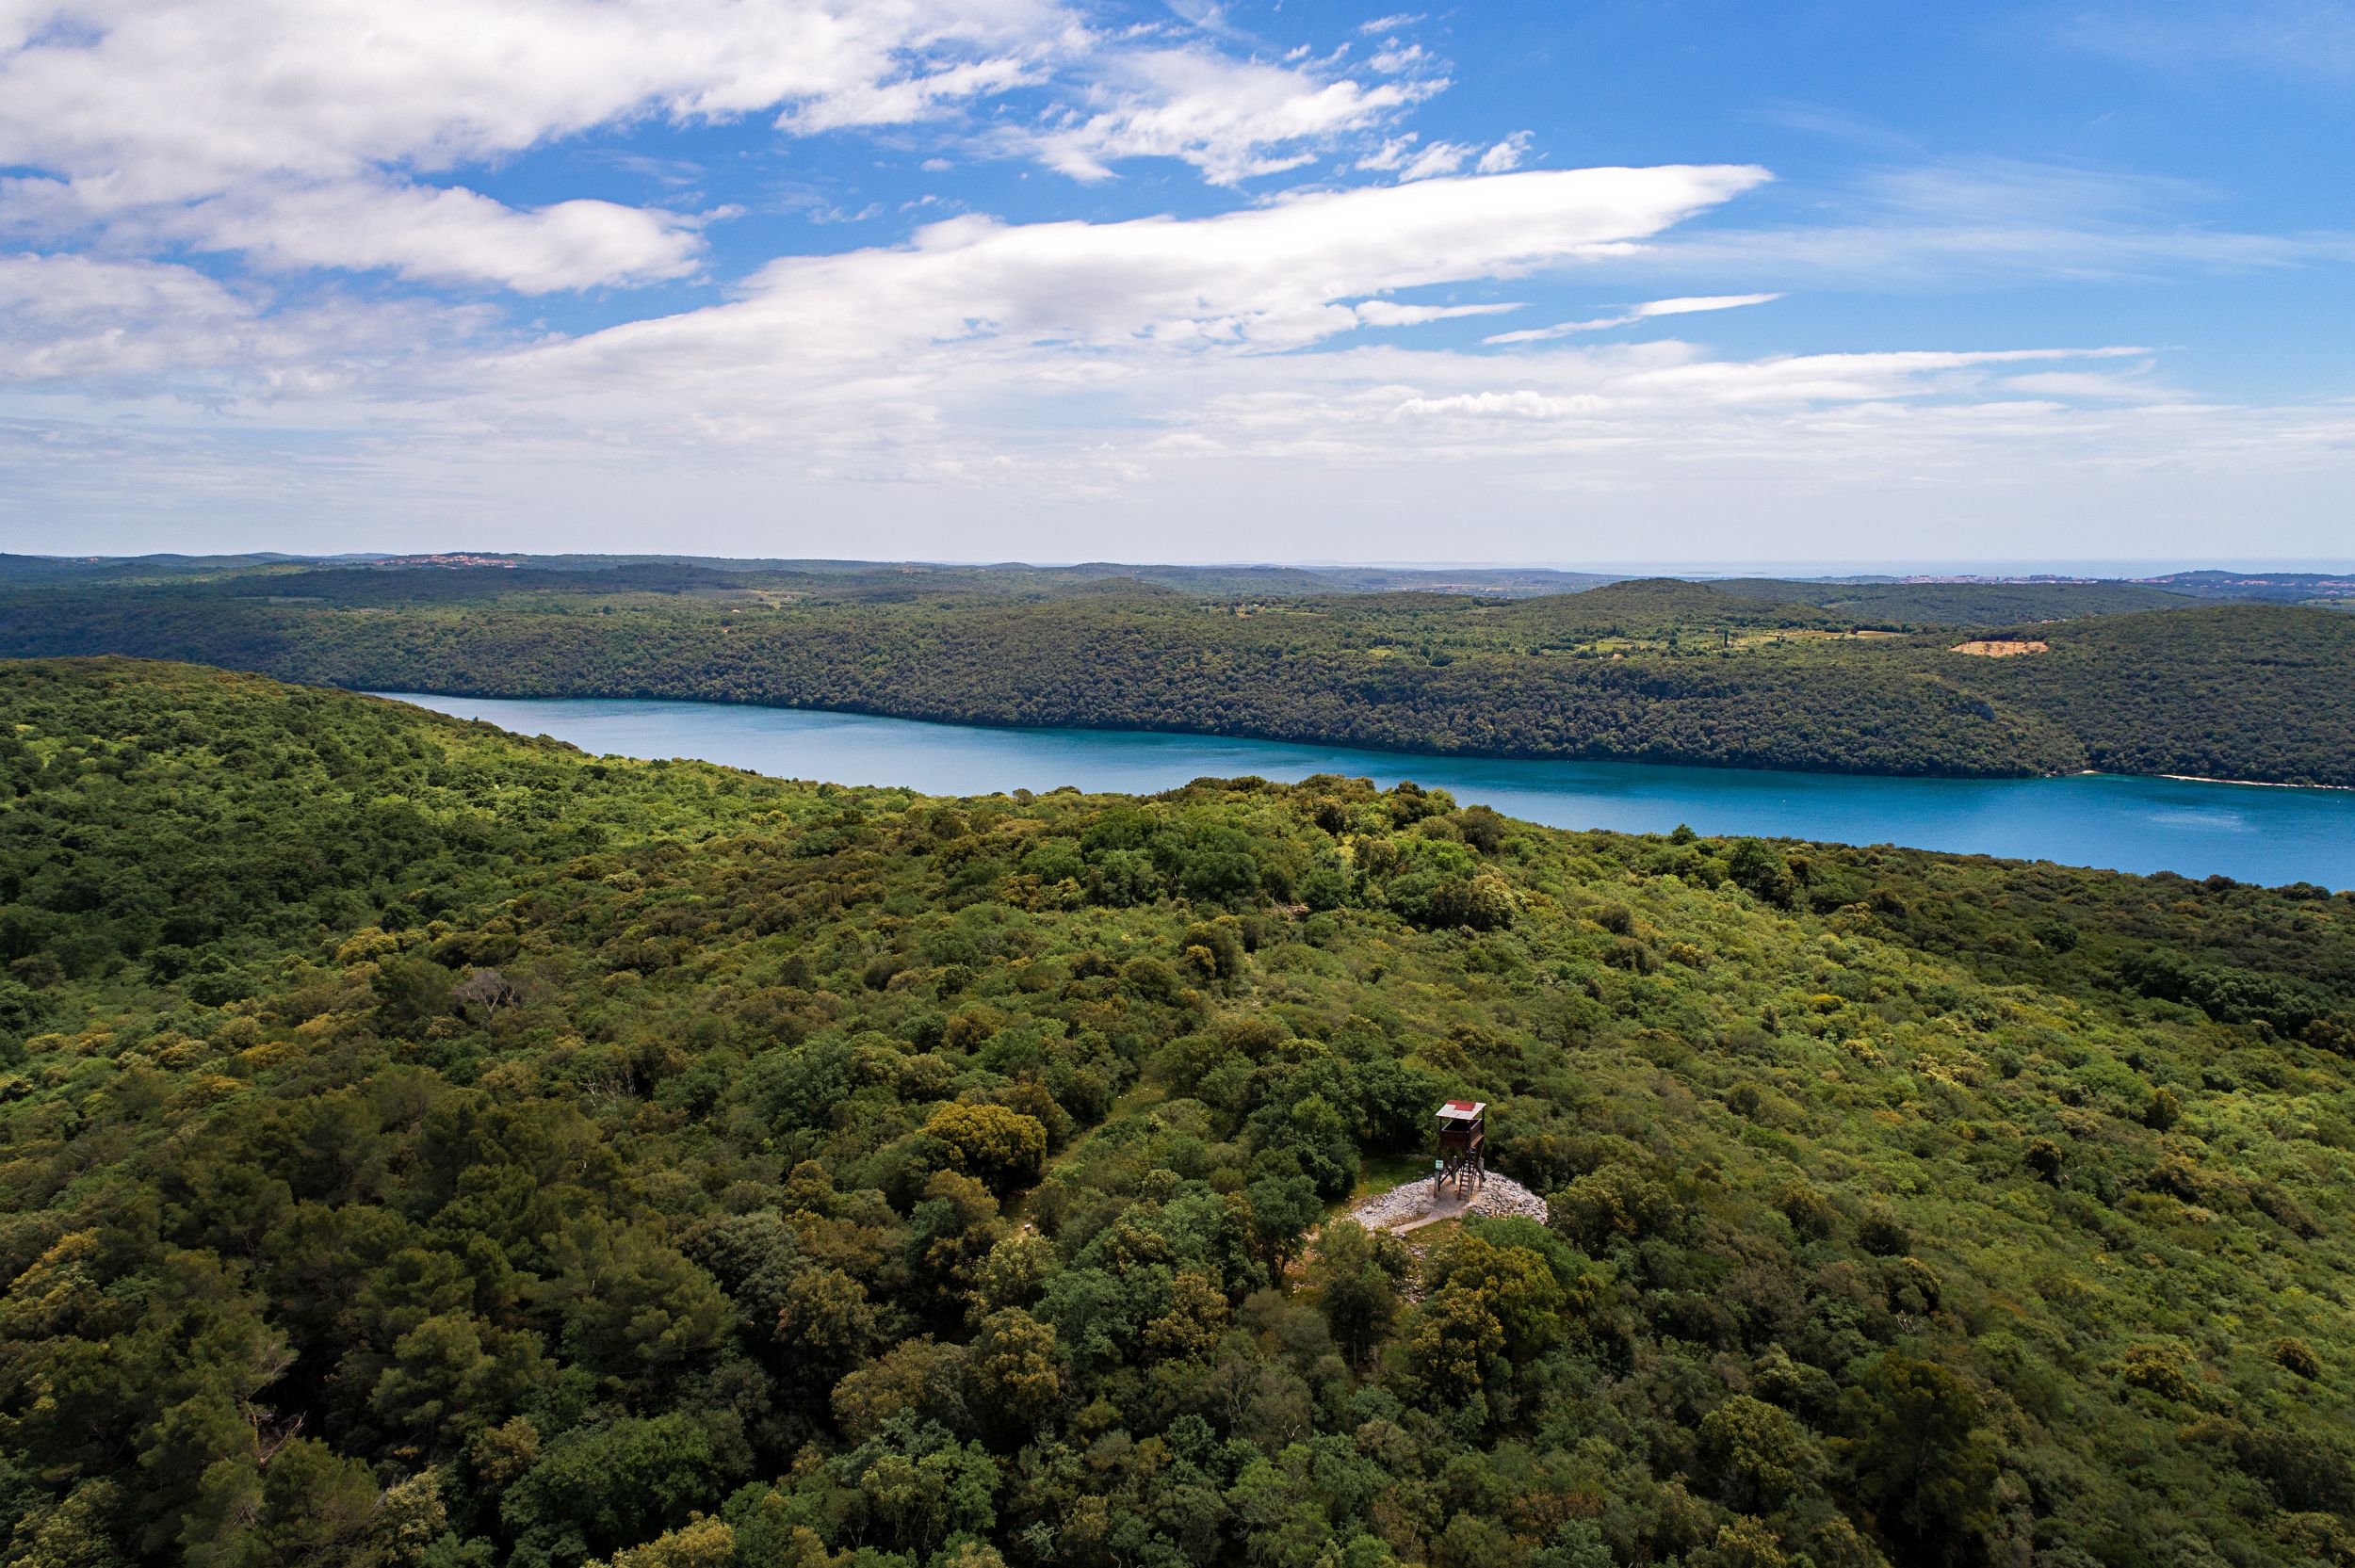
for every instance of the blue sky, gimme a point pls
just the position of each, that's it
(1609, 283)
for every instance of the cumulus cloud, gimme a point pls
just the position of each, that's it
(161, 101)
(1403, 157)
(444, 236)
(1510, 154)
(262, 123)
(1232, 120)
(1393, 60)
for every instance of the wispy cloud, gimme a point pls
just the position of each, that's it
(1234, 121)
(1385, 313)
(2300, 39)
(1967, 223)
(1687, 305)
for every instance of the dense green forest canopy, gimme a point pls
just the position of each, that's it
(420, 1145)
(1854, 677)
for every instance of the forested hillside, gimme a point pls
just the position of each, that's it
(1649, 671)
(420, 1145)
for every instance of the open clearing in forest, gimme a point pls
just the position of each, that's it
(1999, 650)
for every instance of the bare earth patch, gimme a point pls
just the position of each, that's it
(2002, 650)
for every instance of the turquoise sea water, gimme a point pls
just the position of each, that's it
(2248, 832)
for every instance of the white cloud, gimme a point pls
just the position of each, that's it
(1507, 155)
(88, 326)
(1559, 330)
(176, 103)
(1402, 157)
(1232, 120)
(1513, 405)
(1384, 313)
(444, 236)
(1270, 278)
(297, 115)
(907, 97)
(1687, 305)
(1692, 303)
(984, 368)
(1660, 377)
(2134, 388)
(1391, 23)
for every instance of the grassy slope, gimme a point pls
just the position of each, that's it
(1790, 1149)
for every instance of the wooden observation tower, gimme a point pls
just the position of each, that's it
(1461, 1158)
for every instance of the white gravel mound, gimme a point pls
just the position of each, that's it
(1412, 1203)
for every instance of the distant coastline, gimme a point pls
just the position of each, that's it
(2252, 783)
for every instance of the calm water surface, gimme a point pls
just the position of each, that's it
(2245, 830)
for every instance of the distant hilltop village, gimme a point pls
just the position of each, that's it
(457, 558)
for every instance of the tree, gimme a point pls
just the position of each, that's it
(1189, 1330)
(1282, 1209)
(827, 1323)
(316, 1505)
(78, 1532)
(700, 1542)
(609, 1485)
(1355, 1276)
(486, 989)
(1452, 1340)
(1760, 1457)
(410, 991)
(1004, 1148)
(921, 1485)
(1759, 868)
(1515, 1284)
(950, 1234)
(632, 1306)
(1015, 1385)
(915, 1377)
(452, 1376)
(1916, 1453)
